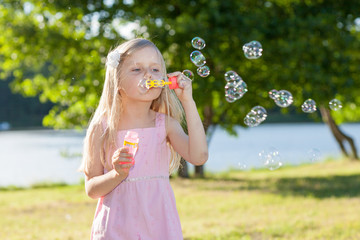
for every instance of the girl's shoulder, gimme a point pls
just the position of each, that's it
(171, 124)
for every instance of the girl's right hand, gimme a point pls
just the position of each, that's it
(121, 161)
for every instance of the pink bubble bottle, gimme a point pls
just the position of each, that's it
(131, 141)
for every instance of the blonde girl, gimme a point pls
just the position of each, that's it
(136, 200)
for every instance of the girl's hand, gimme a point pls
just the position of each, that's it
(184, 92)
(121, 161)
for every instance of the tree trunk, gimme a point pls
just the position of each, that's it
(338, 134)
(208, 114)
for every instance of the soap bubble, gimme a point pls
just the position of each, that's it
(189, 74)
(198, 43)
(235, 87)
(242, 166)
(142, 86)
(231, 76)
(252, 50)
(271, 159)
(203, 71)
(314, 155)
(256, 116)
(284, 98)
(335, 104)
(309, 106)
(273, 94)
(197, 58)
(250, 120)
(260, 113)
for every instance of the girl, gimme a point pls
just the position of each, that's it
(136, 200)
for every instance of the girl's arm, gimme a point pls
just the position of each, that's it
(98, 184)
(193, 147)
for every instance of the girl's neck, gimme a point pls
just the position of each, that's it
(137, 115)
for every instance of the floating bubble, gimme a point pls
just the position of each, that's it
(198, 43)
(235, 89)
(203, 71)
(314, 155)
(271, 159)
(231, 76)
(273, 94)
(284, 98)
(189, 74)
(309, 106)
(197, 58)
(241, 87)
(250, 120)
(242, 166)
(252, 50)
(256, 116)
(260, 113)
(335, 104)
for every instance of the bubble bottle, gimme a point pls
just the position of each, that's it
(131, 141)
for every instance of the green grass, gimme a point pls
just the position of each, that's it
(318, 201)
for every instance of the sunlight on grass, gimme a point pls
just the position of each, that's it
(318, 201)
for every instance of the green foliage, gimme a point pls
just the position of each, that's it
(57, 50)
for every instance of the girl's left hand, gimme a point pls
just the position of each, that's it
(184, 92)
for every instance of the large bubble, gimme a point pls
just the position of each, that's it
(197, 58)
(309, 106)
(235, 87)
(335, 104)
(256, 116)
(284, 98)
(198, 43)
(252, 50)
(189, 74)
(203, 71)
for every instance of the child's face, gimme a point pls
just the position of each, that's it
(142, 64)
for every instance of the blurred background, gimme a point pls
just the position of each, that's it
(52, 56)
(294, 176)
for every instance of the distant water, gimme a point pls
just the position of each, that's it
(32, 156)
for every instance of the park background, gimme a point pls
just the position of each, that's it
(52, 56)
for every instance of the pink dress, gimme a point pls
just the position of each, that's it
(143, 205)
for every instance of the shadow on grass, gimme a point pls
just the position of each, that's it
(318, 187)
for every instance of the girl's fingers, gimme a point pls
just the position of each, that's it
(173, 74)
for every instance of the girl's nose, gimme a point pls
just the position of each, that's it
(148, 74)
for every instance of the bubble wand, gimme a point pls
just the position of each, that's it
(172, 83)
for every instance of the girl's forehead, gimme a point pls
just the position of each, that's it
(144, 55)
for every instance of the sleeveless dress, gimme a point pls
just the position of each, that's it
(142, 206)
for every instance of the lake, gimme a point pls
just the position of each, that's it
(35, 156)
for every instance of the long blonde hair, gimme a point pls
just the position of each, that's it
(110, 108)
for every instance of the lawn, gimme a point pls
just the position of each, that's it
(317, 201)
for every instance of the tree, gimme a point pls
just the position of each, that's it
(311, 48)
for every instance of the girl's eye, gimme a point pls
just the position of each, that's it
(136, 70)
(156, 70)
